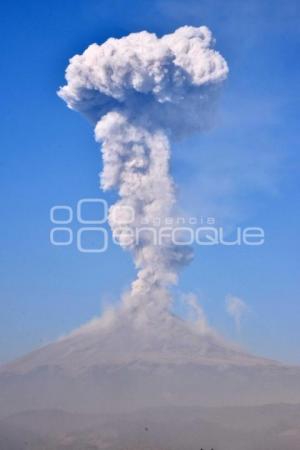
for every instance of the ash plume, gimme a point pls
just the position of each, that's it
(141, 92)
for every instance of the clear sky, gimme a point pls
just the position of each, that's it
(244, 172)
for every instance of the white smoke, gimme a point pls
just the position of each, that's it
(140, 92)
(236, 308)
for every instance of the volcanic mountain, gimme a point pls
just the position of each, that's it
(125, 361)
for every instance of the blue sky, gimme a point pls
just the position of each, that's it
(244, 171)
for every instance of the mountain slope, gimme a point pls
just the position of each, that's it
(124, 362)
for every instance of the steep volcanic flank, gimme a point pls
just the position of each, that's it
(115, 365)
(119, 340)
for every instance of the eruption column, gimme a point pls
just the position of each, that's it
(141, 91)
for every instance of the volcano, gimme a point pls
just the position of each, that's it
(137, 381)
(123, 362)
